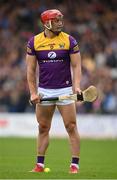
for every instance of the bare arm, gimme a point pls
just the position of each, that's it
(31, 77)
(76, 68)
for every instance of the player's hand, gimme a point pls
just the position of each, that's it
(77, 90)
(35, 98)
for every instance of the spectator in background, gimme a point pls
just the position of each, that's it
(109, 103)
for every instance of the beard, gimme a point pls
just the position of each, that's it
(56, 31)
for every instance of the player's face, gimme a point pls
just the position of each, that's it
(57, 24)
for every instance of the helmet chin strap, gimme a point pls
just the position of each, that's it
(50, 28)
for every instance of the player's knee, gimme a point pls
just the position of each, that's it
(70, 127)
(44, 128)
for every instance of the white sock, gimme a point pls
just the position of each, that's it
(40, 164)
(76, 165)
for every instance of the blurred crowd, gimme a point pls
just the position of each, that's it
(91, 22)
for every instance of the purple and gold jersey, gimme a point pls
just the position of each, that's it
(53, 56)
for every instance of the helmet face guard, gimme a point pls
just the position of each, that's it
(50, 15)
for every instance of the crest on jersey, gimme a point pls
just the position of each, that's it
(62, 45)
(52, 46)
(51, 55)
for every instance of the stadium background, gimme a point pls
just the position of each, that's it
(93, 24)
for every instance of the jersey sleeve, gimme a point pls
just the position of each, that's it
(30, 47)
(74, 48)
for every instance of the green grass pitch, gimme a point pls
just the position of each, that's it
(18, 155)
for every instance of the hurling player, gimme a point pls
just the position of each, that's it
(56, 54)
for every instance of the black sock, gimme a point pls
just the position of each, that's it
(40, 159)
(75, 160)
